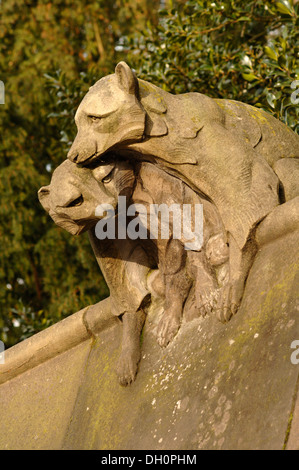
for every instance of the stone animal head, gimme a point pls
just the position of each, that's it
(74, 193)
(118, 110)
(109, 106)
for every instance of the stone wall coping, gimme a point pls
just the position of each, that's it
(64, 335)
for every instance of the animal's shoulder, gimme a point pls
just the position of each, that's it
(159, 185)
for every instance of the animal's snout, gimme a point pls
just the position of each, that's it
(73, 155)
(44, 197)
(43, 191)
(80, 156)
(84, 147)
(74, 151)
(78, 201)
(68, 196)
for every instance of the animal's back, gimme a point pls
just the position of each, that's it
(271, 137)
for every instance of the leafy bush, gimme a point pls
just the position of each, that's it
(246, 51)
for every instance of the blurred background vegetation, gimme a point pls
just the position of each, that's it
(50, 53)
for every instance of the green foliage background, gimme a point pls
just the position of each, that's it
(50, 53)
(246, 51)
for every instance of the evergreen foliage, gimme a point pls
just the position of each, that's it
(246, 51)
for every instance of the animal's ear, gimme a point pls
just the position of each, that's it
(152, 98)
(155, 127)
(44, 197)
(126, 78)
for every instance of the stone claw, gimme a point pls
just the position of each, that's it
(206, 301)
(229, 301)
(127, 367)
(167, 329)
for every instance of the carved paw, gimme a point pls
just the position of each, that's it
(127, 366)
(206, 301)
(229, 300)
(167, 329)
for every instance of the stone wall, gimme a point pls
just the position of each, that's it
(215, 386)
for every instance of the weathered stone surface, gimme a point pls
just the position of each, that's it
(36, 406)
(215, 386)
(45, 345)
(293, 431)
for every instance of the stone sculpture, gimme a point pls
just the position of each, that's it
(228, 151)
(138, 141)
(72, 199)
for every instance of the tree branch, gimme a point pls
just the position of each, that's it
(99, 41)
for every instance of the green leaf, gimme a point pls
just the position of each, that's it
(271, 52)
(271, 98)
(284, 7)
(249, 77)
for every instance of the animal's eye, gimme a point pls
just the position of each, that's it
(94, 118)
(108, 177)
(76, 202)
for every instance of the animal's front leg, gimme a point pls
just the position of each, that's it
(240, 262)
(130, 351)
(177, 287)
(206, 288)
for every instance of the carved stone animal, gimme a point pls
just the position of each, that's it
(181, 267)
(227, 150)
(71, 200)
